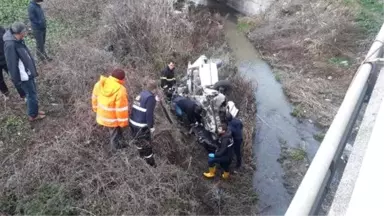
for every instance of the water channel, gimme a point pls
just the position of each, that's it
(275, 125)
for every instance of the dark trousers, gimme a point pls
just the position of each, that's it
(237, 143)
(116, 135)
(142, 141)
(29, 87)
(224, 163)
(40, 43)
(3, 86)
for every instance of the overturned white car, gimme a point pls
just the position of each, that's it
(203, 86)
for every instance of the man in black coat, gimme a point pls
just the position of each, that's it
(223, 155)
(39, 27)
(22, 67)
(236, 127)
(168, 80)
(167, 76)
(3, 66)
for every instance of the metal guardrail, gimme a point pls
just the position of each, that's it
(311, 190)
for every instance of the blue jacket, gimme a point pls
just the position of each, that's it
(236, 127)
(143, 110)
(36, 16)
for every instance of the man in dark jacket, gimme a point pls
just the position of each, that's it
(142, 122)
(167, 77)
(168, 80)
(188, 107)
(22, 67)
(3, 66)
(236, 127)
(223, 155)
(39, 27)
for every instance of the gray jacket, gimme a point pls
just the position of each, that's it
(15, 51)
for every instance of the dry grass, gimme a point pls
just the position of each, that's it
(316, 48)
(62, 166)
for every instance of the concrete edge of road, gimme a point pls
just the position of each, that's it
(347, 183)
(369, 186)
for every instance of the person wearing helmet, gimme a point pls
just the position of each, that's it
(236, 127)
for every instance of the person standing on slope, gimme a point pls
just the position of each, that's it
(142, 122)
(110, 103)
(223, 155)
(236, 127)
(3, 67)
(39, 27)
(168, 80)
(22, 67)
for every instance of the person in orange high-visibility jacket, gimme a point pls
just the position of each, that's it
(110, 103)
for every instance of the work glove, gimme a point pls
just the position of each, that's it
(152, 130)
(211, 156)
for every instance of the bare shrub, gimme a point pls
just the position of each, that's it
(307, 41)
(150, 32)
(69, 152)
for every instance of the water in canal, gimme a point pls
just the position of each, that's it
(274, 121)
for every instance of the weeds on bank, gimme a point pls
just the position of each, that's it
(298, 112)
(319, 136)
(13, 10)
(340, 61)
(370, 14)
(278, 77)
(49, 199)
(298, 154)
(246, 24)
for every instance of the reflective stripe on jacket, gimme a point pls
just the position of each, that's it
(167, 78)
(143, 110)
(110, 102)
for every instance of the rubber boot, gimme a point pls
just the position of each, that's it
(211, 173)
(225, 175)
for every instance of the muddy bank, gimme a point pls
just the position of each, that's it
(314, 50)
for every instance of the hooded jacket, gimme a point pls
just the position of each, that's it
(16, 54)
(2, 56)
(110, 102)
(36, 16)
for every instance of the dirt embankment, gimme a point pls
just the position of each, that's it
(62, 166)
(315, 49)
